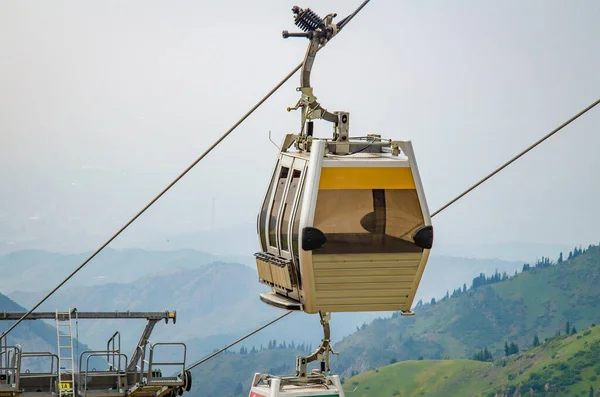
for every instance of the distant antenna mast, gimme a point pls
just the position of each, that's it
(212, 219)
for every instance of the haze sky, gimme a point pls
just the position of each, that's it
(104, 103)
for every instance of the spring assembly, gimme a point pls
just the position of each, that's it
(307, 19)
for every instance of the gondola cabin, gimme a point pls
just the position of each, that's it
(267, 386)
(344, 233)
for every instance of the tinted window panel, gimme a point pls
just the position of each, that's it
(368, 221)
(289, 204)
(276, 204)
(263, 213)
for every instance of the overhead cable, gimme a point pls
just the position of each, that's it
(509, 162)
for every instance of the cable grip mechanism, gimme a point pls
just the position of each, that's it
(322, 352)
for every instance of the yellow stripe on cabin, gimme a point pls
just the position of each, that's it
(366, 178)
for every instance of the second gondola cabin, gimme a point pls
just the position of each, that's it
(344, 233)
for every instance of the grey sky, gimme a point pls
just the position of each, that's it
(103, 103)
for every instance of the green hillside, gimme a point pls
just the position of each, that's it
(537, 301)
(564, 365)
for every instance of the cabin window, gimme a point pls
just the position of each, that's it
(262, 221)
(277, 198)
(296, 226)
(368, 220)
(287, 209)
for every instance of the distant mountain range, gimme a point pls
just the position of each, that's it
(238, 243)
(214, 300)
(215, 304)
(242, 240)
(35, 270)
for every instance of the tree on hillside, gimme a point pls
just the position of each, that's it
(591, 391)
(483, 355)
(487, 355)
(536, 341)
(513, 348)
(560, 258)
(573, 330)
(575, 253)
(544, 262)
(568, 328)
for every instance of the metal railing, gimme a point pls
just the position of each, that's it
(160, 380)
(119, 375)
(28, 378)
(10, 366)
(112, 353)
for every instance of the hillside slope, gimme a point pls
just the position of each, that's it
(536, 301)
(33, 335)
(564, 365)
(212, 299)
(215, 304)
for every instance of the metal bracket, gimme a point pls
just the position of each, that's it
(319, 31)
(322, 352)
(341, 133)
(395, 148)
